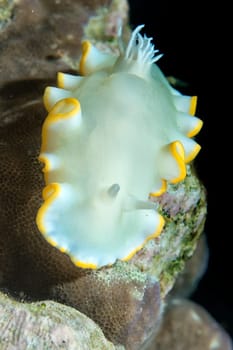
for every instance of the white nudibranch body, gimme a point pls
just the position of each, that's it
(112, 138)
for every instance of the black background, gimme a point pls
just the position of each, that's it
(191, 36)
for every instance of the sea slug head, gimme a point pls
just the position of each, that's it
(112, 137)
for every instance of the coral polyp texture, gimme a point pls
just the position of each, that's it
(112, 138)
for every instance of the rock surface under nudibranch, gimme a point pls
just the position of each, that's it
(111, 138)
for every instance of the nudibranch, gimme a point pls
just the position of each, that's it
(112, 137)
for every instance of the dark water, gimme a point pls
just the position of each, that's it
(191, 38)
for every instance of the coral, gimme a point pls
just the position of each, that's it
(47, 325)
(184, 207)
(122, 300)
(54, 44)
(188, 326)
(103, 27)
(193, 271)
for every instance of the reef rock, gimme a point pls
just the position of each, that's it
(58, 29)
(188, 326)
(187, 281)
(47, 325)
